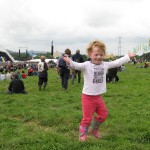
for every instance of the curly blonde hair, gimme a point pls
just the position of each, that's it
(96, 43)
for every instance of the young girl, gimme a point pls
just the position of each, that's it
(94, 73)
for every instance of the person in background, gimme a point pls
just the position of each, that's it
(42, 73)
(64, 70)
(8, 75)
(2, 76)
(94, 72)
(30, 70)
(112, 75)
(77, 58)
(16, 85)
(35, 72)
(146, 64)
(1, 69)
(19, 76)
(23, 75)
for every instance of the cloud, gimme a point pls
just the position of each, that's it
(73, 24)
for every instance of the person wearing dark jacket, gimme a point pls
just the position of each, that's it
(42, 73)
(16, 85)
(64, 70)
(77, 58)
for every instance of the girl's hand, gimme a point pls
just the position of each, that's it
(66, 59)
(131, 54)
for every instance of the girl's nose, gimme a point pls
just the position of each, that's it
(99, 56)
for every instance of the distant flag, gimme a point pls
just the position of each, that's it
(135, 50)
(145, 47)
(26, 53)
(140, 46)
(19, 52)
(52, 48)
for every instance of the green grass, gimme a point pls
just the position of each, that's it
(49, 120)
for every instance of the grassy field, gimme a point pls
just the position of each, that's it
(49, 120)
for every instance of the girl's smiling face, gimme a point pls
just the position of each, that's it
(97, 55)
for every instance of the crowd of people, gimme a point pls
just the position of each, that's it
(15, 73)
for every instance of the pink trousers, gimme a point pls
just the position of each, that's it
(91, 105)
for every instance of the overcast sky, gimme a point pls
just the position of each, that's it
(73, 24)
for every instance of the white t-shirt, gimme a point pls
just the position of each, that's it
(40, 66)
(95, 75)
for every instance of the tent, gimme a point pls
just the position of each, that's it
(5, 55)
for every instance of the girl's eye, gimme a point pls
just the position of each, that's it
(101, 55)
